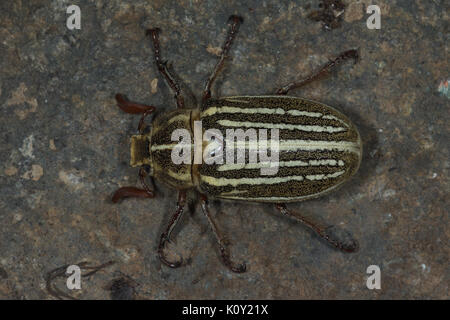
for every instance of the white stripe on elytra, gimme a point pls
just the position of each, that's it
(314, 177)
(262, 181)
(317, 145)
(308, 128)
(156, 147)
(235, 182)
(295, 163)
(180, 117)
(280, 111)
(290, 145)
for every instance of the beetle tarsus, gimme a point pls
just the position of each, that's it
(162, 256)
(163, 67)
(237, 268)
(339, 238)
(224, 253)
(165, 237)
(349, 54)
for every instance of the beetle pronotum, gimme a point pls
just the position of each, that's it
(319, 149)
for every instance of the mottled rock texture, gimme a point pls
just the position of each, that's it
(64, 149)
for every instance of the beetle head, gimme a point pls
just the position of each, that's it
(140, 150)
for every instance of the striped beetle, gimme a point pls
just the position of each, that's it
(319, 149)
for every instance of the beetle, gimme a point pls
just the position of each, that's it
(319, 149)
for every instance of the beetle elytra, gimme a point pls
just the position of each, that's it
(318, 149)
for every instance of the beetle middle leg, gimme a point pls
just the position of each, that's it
(339, 238)
(165, 237)
(234, 28)
(224, 252)
(350, 54)
(163, 68)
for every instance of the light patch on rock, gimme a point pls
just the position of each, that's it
(443, 88)
(154, 85)
(34, 174)
(71, 179)
(51, 145)
(18, 97)
(127, 253)
(214, 50)
(17, 217)
(389, 193)
(354, 12)
(10, 171)
(27, 147)
(425, 268)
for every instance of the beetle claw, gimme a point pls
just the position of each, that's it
(162, 256)
(237, 268)
(153, 31)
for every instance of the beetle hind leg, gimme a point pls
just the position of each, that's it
(337, 237)
(224, 252)
(349, 54)
(165, 237)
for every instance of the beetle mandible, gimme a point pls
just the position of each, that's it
(319, 149)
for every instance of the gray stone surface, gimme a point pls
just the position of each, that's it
(64, 149)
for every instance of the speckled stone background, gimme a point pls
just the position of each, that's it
(64, 149)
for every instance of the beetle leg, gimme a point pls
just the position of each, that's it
(134, 108)
(339, 238)
(224, 252)
(129, 192)
(165, 237)
(133, 192)
(350, 54)
(232, 32)
(162, 67)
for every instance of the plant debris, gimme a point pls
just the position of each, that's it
(330, 14)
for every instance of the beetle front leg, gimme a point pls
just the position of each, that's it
(162, 67)
(328, 233)
(235, 23)
(350, 54)
(165, 237)
(224, 252)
